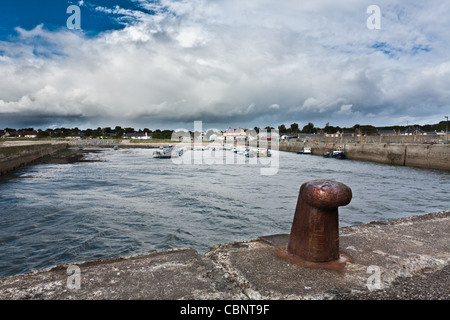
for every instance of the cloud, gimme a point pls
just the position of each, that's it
(228, 62)
(346, 109)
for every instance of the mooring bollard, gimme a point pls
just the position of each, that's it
(314, 237)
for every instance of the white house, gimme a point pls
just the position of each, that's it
(137, 135)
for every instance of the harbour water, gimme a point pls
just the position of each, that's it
(127, 202)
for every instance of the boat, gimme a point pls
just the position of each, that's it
(252, 153)
(116, 147)
(338, 153)
(305, 150)
(264, 153)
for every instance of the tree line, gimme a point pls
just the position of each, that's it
(106, 132)
(310, 128)
(294, 128)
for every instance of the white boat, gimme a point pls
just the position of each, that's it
(306, 150)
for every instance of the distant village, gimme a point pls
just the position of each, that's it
(237, 134)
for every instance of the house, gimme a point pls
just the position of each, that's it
(268, 135)
(235, 134)
(413, 131)
(27, 134)
(137, 135)
(4, 134)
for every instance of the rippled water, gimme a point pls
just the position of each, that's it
(131, 203)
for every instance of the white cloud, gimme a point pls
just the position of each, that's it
(226, 61)
(346, 109)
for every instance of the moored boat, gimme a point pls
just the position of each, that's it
(252, 153)
(338, 153)
(305, 150)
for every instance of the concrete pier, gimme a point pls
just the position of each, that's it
(430, 156)
(17, 154)
(406, 259)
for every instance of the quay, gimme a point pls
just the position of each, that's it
(15, 154)
(403, 259)
(429, 156)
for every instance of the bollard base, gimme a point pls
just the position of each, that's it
(336, 265)
(279, 241)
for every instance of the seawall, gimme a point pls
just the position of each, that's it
(431, 156)
(15, 156)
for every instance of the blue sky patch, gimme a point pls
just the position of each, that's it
(52, 15)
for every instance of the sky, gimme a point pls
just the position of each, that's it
(228, 63)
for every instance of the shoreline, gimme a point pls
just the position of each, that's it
(64, 155)
(67, 156)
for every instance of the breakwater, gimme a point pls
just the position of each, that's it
(15, 156)
(431, 156)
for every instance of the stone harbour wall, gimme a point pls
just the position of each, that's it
(15, 156)
(431, 156)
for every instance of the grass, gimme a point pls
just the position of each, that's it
(152, 141)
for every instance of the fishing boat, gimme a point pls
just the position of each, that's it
(338, 153)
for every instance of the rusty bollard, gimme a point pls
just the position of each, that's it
(314, 237)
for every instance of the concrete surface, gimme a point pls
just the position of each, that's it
(399, 259)
(430, 156)
(13, 156)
